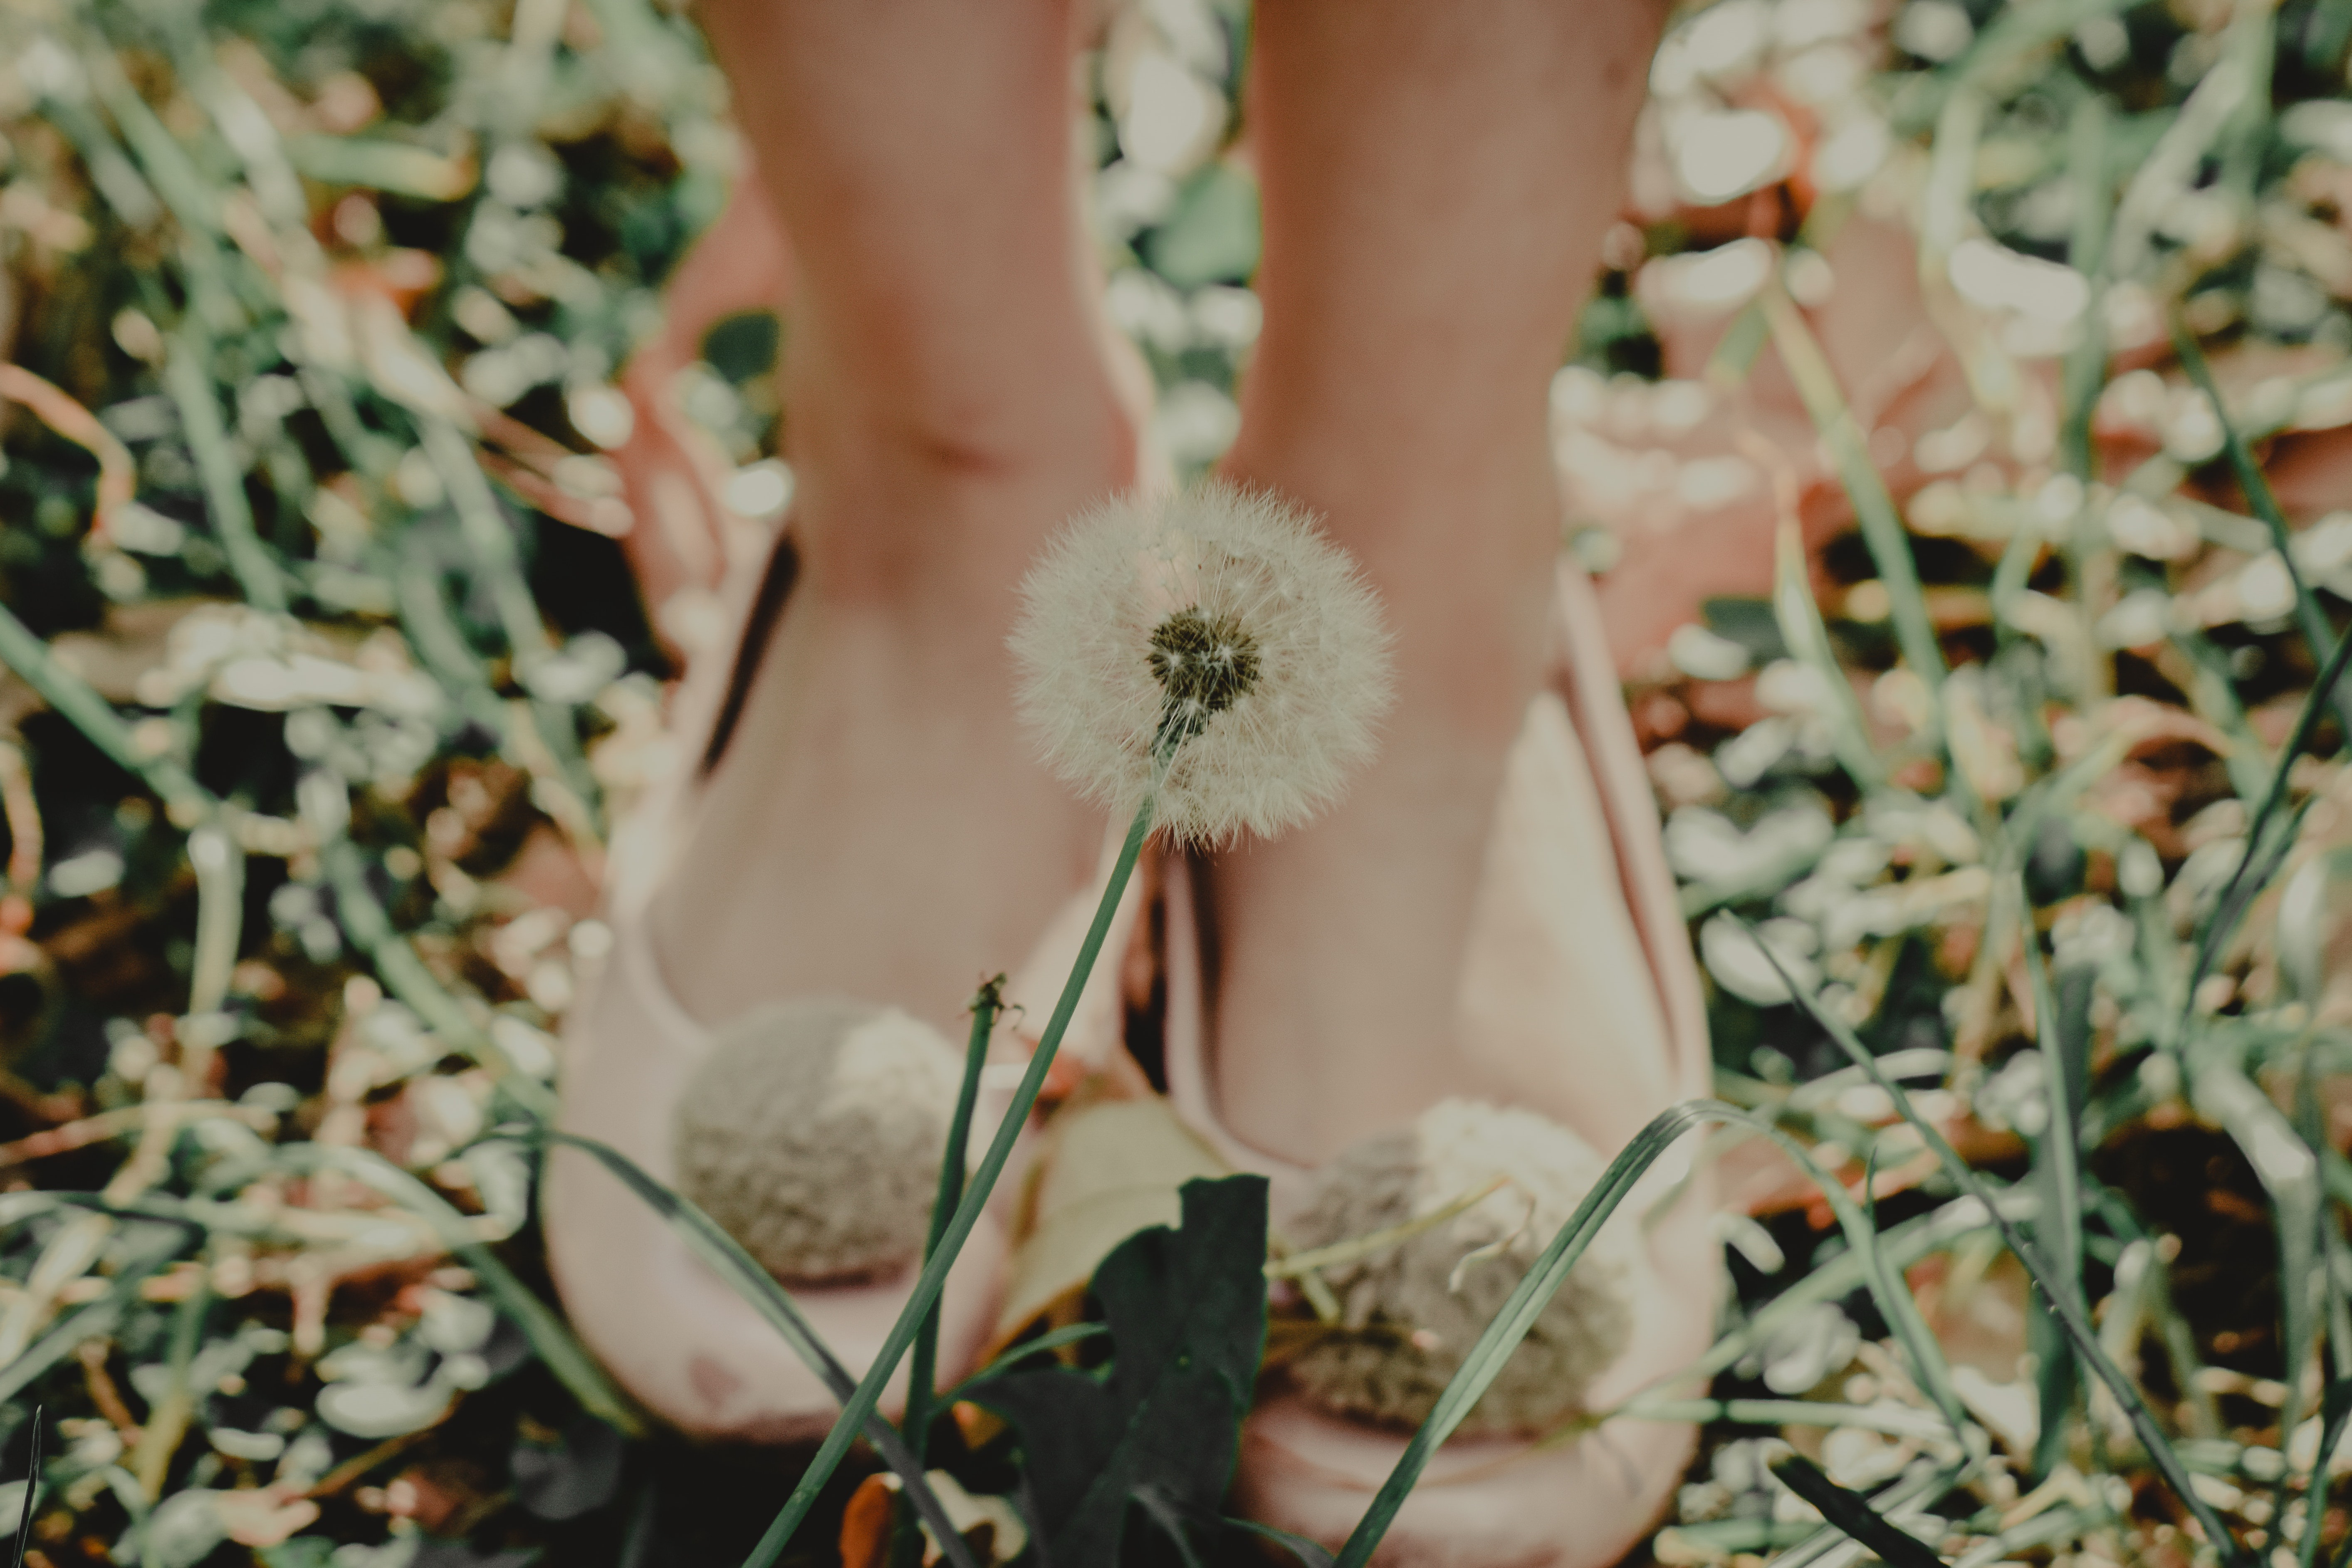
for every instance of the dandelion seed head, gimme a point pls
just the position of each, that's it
(1215, 631)
(1409, 1313)
(1203, 668)
(812, 1134)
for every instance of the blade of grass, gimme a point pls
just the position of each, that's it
(2213, 697)
(550, 1336)
(2289, 1172)
(219, 867)
(923, 1366)
(487, 535)
(923, 1363)
(1947, 216)
(363, 920)
(2043, 1528)
(1509, 1325)
(1895, 1422)
(167, 1422)
(1298, 1546)
(1802, 629)
(2057, 1160)
(1945, 213)
(1920, 1484)
(1300, 1265)
(726, 1257)
(2252, 37)
(1169, 1510)
(2237, 893)
(1907, 1499)
(2309, 615)
(2204, 1417)
(2337, 1415)
(188, 378)
(2170, 167)
(72, 699)
(983, 1181)
(1882, 526)
(33, 1488)
(1901, 1246)
(121, 1287)
(194, 201)
(189, 804)
(2083, 374)
(1053, 1339)
(442, 649)
(2339, 1304)
(1851, 1512)
(2046, 1277)
(116, 178)
(2014, 34)
(1929, 1370)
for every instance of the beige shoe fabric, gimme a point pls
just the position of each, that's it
(1576, 815)
(672, 1331)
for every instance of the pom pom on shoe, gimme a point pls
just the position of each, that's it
(1411, 1312)
(813, 1132)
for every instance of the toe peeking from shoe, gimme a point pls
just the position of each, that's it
(812, 1134)
(1410, 1310)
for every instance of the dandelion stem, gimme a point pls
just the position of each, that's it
(861, 1405)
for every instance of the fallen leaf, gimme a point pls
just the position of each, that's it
(865, 1523)
(1116, 1167)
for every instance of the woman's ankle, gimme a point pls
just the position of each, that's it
(897, 505)
(1342, 946)
(833, 848)
(1460, 547)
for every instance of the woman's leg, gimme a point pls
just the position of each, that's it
(1436, 182)
(878, 826)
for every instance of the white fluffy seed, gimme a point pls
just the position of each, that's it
(813, 1132)
(1407, 1321)
(1240, 559)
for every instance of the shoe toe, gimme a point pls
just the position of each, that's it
(1503, 1502)
(674, 1334)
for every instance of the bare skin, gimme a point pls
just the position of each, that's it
(1436, 182)
(878, 826)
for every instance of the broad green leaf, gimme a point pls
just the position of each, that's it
(1187, 1314)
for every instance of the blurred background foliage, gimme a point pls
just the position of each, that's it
(2024, 323)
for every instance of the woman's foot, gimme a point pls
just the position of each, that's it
(877, 826)
(1434, 193)
(870, 829)
(1574, 996)
(1350, 992)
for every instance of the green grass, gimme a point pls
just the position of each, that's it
(2086, 1101)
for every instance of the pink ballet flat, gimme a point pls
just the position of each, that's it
(1493, 1501)
(676, 1335)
